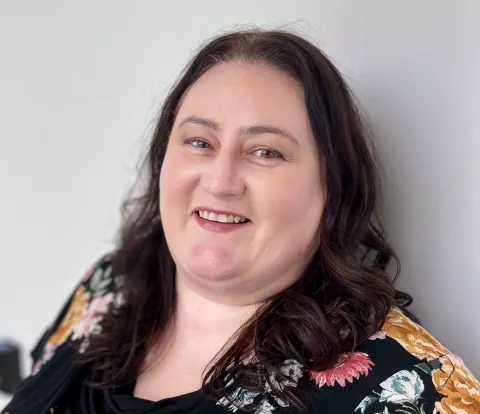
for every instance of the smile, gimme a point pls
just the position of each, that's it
(219, 222)
(220, 217)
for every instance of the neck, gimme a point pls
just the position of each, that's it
(197, 312)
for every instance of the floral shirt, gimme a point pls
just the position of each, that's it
(400, 369)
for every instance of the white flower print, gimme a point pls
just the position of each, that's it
(365, 403)
(264, 407)
(240, 398)
(292, 370)
(404, 386)
(279, 401)
(377, 335)
(404, 389)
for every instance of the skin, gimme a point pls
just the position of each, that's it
(225, 169)
(215, 160)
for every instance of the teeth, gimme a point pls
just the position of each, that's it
(221, 218)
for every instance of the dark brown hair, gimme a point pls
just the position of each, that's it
(337, 303)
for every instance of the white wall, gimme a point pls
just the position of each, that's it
(80, 83)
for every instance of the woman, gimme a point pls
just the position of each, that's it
(246, 284)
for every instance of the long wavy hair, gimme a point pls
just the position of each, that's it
(343, 296)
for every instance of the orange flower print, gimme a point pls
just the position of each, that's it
(458, 385)
(75, 313)
(452, 379)
(350, 365)
(412, 337)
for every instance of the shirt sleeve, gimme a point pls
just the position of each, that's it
(57, 331)
(443, 385)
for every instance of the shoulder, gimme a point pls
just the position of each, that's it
(412, 337)
(83, 312)
(99, 289)
(411, 371)
(400, 369)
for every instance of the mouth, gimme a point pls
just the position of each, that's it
(223, 217)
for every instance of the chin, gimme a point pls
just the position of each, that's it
(212, 271)
(208, 263)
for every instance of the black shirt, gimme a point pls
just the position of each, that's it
(84, 399)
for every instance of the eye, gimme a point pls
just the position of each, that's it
(198, 143)
(268, 153)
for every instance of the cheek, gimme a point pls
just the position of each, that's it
(166, 176)
(177, 182)
(299, 210)
(291, 201)
(292, 212)
(170, 183)
(165, 183)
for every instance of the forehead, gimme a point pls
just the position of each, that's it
(239, 94)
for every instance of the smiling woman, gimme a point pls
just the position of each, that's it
(239, 280)
(235, 157)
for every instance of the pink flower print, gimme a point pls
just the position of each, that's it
(350, 365)
(99, 306)
(377, 335)
(85, 327)
(36, 367)
(90, 322)
(48, 353)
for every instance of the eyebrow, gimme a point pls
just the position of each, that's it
(245, 131)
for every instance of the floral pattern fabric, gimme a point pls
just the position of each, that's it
(456, 389)
(349, 367)
(402, 392)
(266, 402)
(400, 369)
(459, 389)
(85, 313)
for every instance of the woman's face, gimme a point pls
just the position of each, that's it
(241, 147)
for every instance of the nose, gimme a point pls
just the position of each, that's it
(222, 177)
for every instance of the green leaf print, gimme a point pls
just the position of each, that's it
(403, 387)
(429, 366)
(365, 403)
(100, 281)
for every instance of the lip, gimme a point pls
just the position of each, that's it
(211, 210)
(217, 227)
